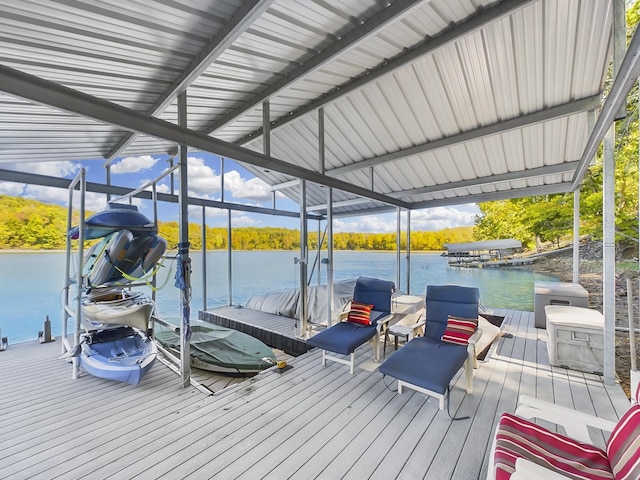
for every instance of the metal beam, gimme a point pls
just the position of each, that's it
(430, 45)
(57, 96)
(391, 12)
(622, 84)
(563, 187)
(576, 106)
(44, 180)
(248, 12)
(491, 179)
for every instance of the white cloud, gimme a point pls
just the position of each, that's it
(439, 218)
(11, 188)
(133, 164)
(253, 189)
(430, 219)
(243, 220)
(366, 224)
(51, 169)
(203, 180)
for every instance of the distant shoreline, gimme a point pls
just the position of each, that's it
(26, 250)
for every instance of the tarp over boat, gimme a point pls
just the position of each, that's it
(287, 303)
(220, 349)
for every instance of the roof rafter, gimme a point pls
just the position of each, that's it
(348, 41)
(428, 46)
(540, 116)
(66, 99)
(566, 167)
(562, 187)
(237, 25)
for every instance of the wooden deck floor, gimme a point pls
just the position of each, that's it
(308, 422)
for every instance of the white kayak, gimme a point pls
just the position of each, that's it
(104, 308)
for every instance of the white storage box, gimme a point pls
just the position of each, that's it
(556, 293)
(575, 338)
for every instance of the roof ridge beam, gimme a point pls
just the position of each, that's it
(430, 45)
(344, 43)
(244, 17)
(45, 92)
(576, 106)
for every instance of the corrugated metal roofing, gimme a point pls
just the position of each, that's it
(428, 103)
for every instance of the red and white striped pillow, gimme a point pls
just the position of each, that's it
(623, 447)
(520, 438)
(459, 330)
(360, 313)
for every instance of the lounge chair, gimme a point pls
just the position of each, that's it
(524, 450)
(360, 324)
(428, 364)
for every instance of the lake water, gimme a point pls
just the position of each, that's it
(31, 283)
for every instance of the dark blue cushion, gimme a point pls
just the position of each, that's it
(428, 363)
(445, 300)
(343, 337)
(374, 291)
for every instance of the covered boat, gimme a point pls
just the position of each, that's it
(108, 307)
(122, 354)
(220, 349)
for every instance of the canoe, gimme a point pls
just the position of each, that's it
(116, 217)
(220, 349)
(120, 258)
(108, 307)
(122, 354)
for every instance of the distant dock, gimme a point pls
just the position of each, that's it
(486, 254)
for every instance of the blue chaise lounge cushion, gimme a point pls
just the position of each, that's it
(343, 337)
(427, 363)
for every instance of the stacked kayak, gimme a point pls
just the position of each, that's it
(117, 345)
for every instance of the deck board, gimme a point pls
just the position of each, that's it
(307, 422)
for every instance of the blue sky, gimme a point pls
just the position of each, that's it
(205, 182)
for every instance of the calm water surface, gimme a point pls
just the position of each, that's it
(32, 283)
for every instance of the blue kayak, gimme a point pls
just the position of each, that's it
(117, 217)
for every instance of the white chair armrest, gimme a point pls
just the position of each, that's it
(574, 422)
(382, 322)
(475, 337)
(527, 470)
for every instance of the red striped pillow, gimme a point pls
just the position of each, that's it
(623, 447)
(459, 330)
(520, 438)
(360, 313)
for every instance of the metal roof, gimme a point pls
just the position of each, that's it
(417, 103)
(501, 244)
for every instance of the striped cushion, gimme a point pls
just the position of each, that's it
(623, 447)
(520, 438)
(459, 330)
(360, 313)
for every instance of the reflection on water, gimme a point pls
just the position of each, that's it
(32, 282)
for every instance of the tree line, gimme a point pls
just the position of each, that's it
(32, 225)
